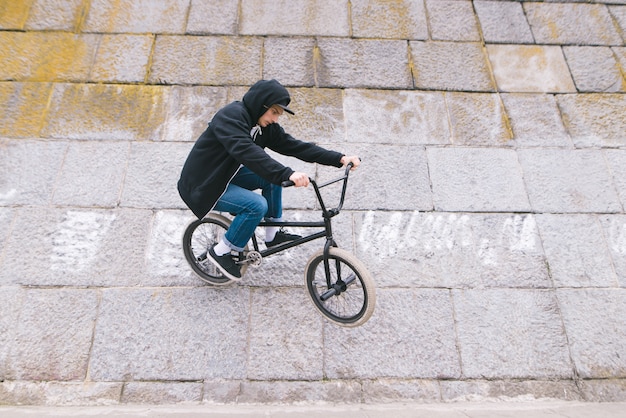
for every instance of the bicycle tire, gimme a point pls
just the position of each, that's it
(199, 236)
(354, 305)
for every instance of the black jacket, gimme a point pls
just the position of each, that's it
(226, 144)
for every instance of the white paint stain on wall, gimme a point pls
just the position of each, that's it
(78, 239)
(521, 232)
(165, 254)
(8, 196)
(617, 237)
(431, 233)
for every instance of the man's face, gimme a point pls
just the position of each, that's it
(271, 116)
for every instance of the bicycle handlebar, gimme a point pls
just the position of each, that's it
(328, 213)
(289, 183)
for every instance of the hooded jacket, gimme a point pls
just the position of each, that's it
(227, 144)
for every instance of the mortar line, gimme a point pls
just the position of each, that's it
(187, 14)
(457, 342)
(150, 61)
(492, 76)
(93, 336)
(82, 16)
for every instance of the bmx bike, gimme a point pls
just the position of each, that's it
(338, 283)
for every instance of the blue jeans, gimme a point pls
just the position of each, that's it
(249, 207)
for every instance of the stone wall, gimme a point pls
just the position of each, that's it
(490, 206)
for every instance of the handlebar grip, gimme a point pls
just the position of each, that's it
(287, 183)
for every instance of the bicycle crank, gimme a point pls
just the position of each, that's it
(253, 258)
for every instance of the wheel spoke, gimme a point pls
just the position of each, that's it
(349, 299)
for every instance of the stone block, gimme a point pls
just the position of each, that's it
(221, 391)
(354, 63)
(594, 69)
(511, 334)
(507, 390)
(595, 322)
(157, 393)
(452, 20)
(304, 17)
(153, 173)
(319, 116)
(189, 111)
(54, 15)
(171, 334)
(137, 16)
(77, 247)
(478, 119)
(59, 394)
(571, 24)
(604, 390)
(206, 60)
(617, 165)
(385, 390)
(290, 60)
(92, 174)
(450, 66)
(535, 120)
(10, 307)
(594, 119)
(279, 349)
(53, 335)
(477, 179)
(576, 251)
(122, 59)
(409, 117)
(101, 111)
(164, 258)
(28, 171)
(568, 181)
(615, 232)
(23, 108)
(530, 69)
(404, 19)
(410, 335)
(13, 14)
(451, 250)
(503, 22)
(6, 219)
(379, 183)
(300, 392)
(214, 17)
(51, 56)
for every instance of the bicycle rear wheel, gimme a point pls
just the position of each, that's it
(198, 238)
(350, 298)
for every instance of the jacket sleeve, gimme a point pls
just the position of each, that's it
(235, 138)
(306, 151)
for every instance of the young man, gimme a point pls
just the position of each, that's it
(228, 162)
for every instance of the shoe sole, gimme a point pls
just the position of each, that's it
(221, 269)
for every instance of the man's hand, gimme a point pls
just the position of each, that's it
(345, 160)
(299, 179)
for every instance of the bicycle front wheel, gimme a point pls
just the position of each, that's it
(348, 296)
(198, 238)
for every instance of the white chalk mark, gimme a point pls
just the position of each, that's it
(446, 233)
(78, 239)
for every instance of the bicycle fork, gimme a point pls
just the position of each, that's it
(340, 285)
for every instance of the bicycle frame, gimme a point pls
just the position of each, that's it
(327, 215)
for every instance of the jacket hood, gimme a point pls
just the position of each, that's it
(263, 94)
